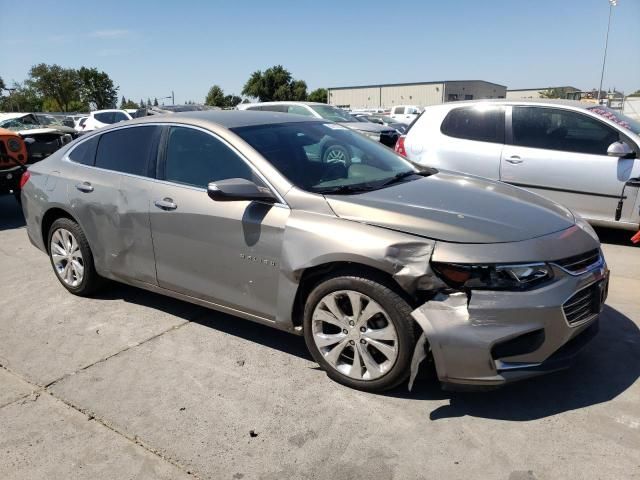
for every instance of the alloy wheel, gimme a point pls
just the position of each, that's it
(66, 257)
(355, 335)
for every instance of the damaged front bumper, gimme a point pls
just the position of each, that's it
(490, 338)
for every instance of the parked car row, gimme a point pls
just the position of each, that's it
(377, 261)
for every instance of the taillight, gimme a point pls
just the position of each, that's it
(400, 146)
(24, 178)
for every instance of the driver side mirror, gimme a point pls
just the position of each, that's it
(234, 189)
(620, 150)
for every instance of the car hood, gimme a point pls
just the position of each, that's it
(456, 208)
(367, 127)
(38, 131)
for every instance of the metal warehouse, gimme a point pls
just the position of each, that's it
(422, 93)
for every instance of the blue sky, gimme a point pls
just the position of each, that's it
(150, 48)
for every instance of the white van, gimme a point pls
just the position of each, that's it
(405, 113)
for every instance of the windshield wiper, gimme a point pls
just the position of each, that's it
(344, 189)
(396, 178)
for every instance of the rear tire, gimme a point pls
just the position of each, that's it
(357, 349)
(71, 258)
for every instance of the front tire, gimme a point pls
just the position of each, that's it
(71, 258)
(360, 331)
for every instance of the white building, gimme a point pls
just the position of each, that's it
(422, 93)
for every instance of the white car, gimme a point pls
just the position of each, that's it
(102, 118)
(78, 124)
(583, 156)
(405, 113)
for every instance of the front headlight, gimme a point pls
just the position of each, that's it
(372, 135)
(494, 277)
(13, 144)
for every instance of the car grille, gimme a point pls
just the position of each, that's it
(584, 304)
(580, 263)
(389, 138)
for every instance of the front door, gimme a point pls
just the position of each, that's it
(562, 154)
(225, 252)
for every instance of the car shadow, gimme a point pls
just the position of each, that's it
(10, 213)
(608, 366)
(615, 236)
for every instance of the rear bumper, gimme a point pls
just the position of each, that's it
(495, 338)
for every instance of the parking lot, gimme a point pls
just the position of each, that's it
(130, 384)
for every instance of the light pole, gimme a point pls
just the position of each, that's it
(612, 3)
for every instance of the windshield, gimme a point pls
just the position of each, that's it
(617, 117)
(332, 113)
(22, 123)
(48, 120)
(325, 157)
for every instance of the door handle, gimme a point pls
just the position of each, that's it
(165, 204)
(85, 187)
(514, 159)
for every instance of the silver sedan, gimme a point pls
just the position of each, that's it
(377, 263)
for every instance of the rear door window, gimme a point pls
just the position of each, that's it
(119, 117)
(479, 123)
(128, 150)
(104, 117)
(399, 110)
(85, 153)
(557, 129)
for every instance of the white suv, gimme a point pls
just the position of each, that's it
(102, 118)
(583, 156)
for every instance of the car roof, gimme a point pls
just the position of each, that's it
(283, 102)
(12, 115)
(226, 118)
(538, 102)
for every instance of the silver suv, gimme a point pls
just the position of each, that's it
(584, 156)
(377, 263)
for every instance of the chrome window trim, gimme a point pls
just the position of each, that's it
(281, 201)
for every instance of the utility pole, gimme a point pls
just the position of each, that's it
(612, 3)
(173, 99)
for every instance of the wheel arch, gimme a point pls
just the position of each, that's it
(311, 276)
(48, 218)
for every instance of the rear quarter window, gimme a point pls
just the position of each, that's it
(479, 123)
(85, 152)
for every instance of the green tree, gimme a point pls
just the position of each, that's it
(128, 104)
(298, 90)
(22, 98)
(142, 104)
(230, 101)
(215, 97)
(148, 102)
(275, 83)
(155, 102)
(2, 86)
(61, 84)
(122, 102)
(634, 94)
(97, 88)
(318, 95)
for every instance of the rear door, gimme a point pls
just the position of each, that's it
(562, 154)
(109, 193)
(471, 140)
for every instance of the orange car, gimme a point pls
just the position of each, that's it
(13, 157)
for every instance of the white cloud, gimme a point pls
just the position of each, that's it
(110, 34)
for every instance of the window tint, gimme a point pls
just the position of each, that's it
(481, 123)
(555, 129)
(275, 108)
(127, 150)
(297, 109)
(196, 158)
(119, 117)
(104, 117)
(399, 110)
(85, 153)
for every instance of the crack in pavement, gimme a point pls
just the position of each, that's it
(40, 389)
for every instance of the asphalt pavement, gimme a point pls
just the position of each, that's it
(130, 384)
